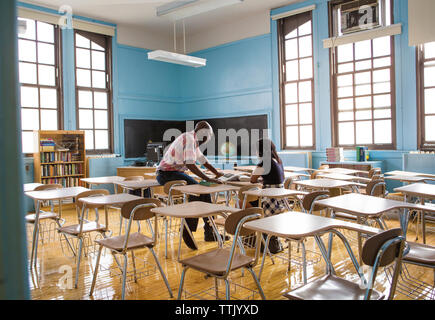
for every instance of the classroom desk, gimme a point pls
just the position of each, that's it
(297, 225)
(371, 207)
(295, 169)
(344, 177)
(49, 195)
(31, 186)
(422, 191)
(329, 184)
(342, 171)
(138, 185)
(197, 189)
(295, 175)
(245, 168)
(409, 173)
(277, 193)
(103, 180)
(408, 178)
(194, 209)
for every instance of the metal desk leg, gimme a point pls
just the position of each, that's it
(35, 232)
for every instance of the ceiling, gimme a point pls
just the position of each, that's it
(142, 13)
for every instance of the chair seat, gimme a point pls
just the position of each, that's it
(216, 261)
(421, 254)
(135, 241)
(30, 218)
(331, 287)
(87, 227)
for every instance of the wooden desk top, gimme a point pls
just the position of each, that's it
(194, 209)
(409, 173)
(103, 180)
(245, 168)
(274, 193)
(344, 177)
(111, 199)
(406, 178)
(423, 190)
(342, 171)
(200, 189)
(30, 186)
(364, 205)
(141, 184)
(297, 225)
(241, 183)
(295, 175)
(294, 169)
(326, 183)
(56, 194)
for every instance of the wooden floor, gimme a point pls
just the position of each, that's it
(55, 262)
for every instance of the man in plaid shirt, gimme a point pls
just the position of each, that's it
(182, 155)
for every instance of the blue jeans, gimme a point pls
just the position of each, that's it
(167, 176)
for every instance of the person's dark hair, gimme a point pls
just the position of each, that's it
(266, 147)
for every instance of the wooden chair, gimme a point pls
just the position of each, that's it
(137, 210)
(379, 250)
(219, 263)
(84, 226)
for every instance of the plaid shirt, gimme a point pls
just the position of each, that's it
(184, 150)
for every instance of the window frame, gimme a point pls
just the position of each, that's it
(58, 65)
(108, 90)
(423, 144)
(283, 82)
(334, 88)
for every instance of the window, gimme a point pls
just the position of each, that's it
(40, 81)
(426, 95)
(363, 92)
(295, 38)
(93, 89)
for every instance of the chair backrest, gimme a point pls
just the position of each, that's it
(167, 187)
(90, 193)
(288, 183)
(134, 178)
(48, 187)
(242, 189)
(307, 202)
(233, 220)
(376, 188)
(323, 166)
(374, 171)
(140, 213)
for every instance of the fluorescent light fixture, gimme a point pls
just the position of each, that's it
(172, 57)
(182, 9)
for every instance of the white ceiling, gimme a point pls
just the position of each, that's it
(142, 13)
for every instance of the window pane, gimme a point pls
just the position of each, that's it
(429, 101)
(48, 98)
(305, 91)
(27, 50)
(305, 113)
(382, 113)
(363, 65)
(381, 62)
(381, 75)
(429, 76)
(429, 50)
(291, 49)
(363, 132)
(306, 68)
(27, 142)
(346, 80)
(101, 119)
(100, 100)
(46, 53)
(305, 47)
(292, 34)
(363, 50)
(85, 99)
(291, 114)
(29, 97)
(345, 67)
(345, 104)
(83, 58)
(95, 46)
(306, 133)
(363, 115)
(48, 120)
(82, 41)
(346, 133)
(45, 32)
(101, 139)
(363, 103)
(383, 131)
(430, 128)
(382, 101)
(29, 119)
(292, 70)
(46, 75)
(292, 136)
(382, 87)
(381, 46)
(30, 30)
(27, 73)
(83, 78)
(98, 60)
(345, 92)
(86, 119)
(89, 139)
(345, 53)
(363, 78)
(305, 28)
(98, 79)
(345, 116)
(291, 93)
(363, 90)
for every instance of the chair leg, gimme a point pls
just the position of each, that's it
(124, 276)
(120, 224)
(97, 264)
(79, 256)
(161, 272)
(304, 261)
(216, 288)
(227, 290)
(257, 282)
(166, 237)
(180, 287)
(134, 265)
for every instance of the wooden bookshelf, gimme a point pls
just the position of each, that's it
(64, 161)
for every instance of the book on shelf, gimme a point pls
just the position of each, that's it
(334, 154)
